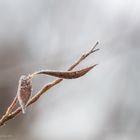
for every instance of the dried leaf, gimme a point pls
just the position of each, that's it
(24, 91)
(66, 74)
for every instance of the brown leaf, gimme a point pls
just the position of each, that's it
(66, 74)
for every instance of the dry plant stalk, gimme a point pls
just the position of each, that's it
(25, 86)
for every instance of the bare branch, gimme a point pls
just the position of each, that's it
(10, 115)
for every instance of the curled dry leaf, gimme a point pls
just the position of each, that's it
(66, 74)
(24, 91)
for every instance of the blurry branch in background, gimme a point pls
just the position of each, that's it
(25, 86)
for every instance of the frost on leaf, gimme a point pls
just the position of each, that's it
(24, 91)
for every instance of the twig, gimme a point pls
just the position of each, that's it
(12, 106)
(10, 115)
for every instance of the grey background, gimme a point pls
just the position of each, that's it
(40, 34)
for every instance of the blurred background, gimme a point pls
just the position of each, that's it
(52, 34)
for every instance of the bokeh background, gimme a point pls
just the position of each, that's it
(52, 34)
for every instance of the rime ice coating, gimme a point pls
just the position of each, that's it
(24, 91)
